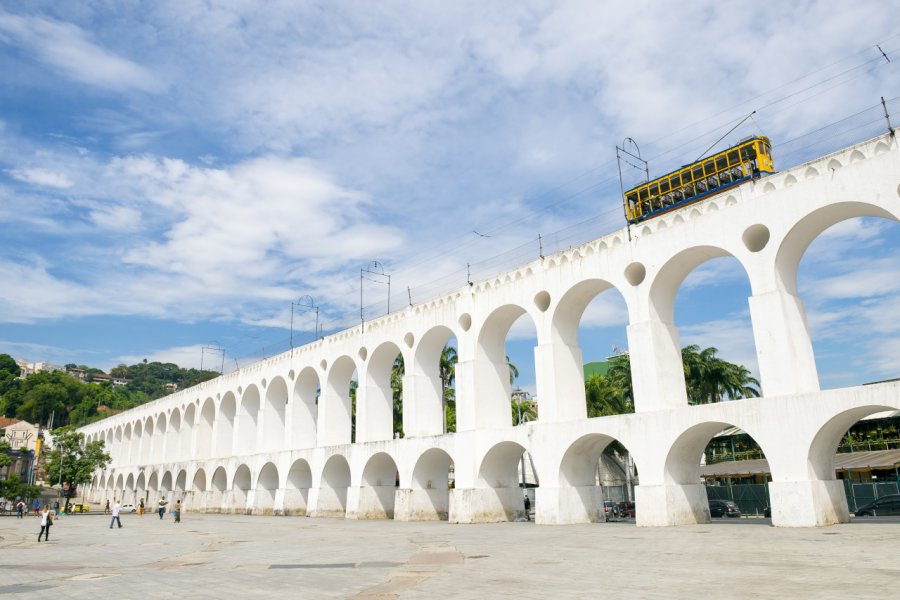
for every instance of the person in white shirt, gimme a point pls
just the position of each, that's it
(46, 522)
(115, 514)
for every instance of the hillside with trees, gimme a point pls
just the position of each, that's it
(72, 401)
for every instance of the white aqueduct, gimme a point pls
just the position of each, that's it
(258, 441)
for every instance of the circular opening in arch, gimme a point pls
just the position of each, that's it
(265, 383)
(291, 374)
(542, 301)
(465, 321)
(635, 273)
(240, 390)
(409, 339)
(756, 237)
(324, 364)
(363, 353)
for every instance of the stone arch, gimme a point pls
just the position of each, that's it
(147, 443)
(820, 456)
(335, 480)
(274, 418)
(856, 156)
(428, 498)
(129, 490)
(166, 487)
(172, 437)
(198, 484)
(218, 487)
(374, 406)
(180, 484)
(153, 485)
(807, 229)
(267, 488)
(498, 474)
(137, 453)
(247, 421)
(225, 425)
(119, 490)
(195, 497)
(296, 493)
(240, 489)
(492, 372)
(304, 409)
(187, 430)
(810, 173)
(335, 407)
(140, 487)
(205, 429)
(127, 450)
(681, 470)
(423, 402)
(378, 488)
(568, 361)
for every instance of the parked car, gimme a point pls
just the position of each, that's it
(723, 508)
(627, 510)
(79, 508)
(886, 505)
(610, 510)
(128, 508)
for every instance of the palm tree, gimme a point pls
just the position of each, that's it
(397, 372)
(447, 370)
(513, 371)
(709, 379)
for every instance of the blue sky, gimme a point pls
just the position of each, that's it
(173, 175)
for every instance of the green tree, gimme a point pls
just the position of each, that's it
(513, 370)
(606, 397)
(9, 371)
(397, 372)
(447, 369)
(73, 461)
(709, 379)
(43, 394)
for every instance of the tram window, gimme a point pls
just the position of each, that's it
(664, 186)
(674, 182)
(708, 167)
(632, 198)
(697, 173)
(644, 194)
(721, 163)
(733, 157)
(654, 190)
(685, 177)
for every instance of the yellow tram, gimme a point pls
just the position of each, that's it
(701, 179)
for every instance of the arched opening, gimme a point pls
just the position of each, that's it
(304, 409)
(858, 448)
(240, 489)
(180, 485)
(158, 450)
(332, 500)
(842, 262)
(710, 354)
(378, 489)
(248, 421)
(172, 439)
(219, 485)
(701, 463)
(336, 415)
(129, 493)
(147, 442)
(589, 353)
(165, 487)
(195, 497)
(266, 488)
(273, 418)
(504, 354)
(153, 487)
(117, 447)
(140, 488)
(205, 429)
(137, 440)
(225, 426)
(502, 475)
(428, 498)
(296, 495)
(429, 387)
(127, 450)
(119, 490)
(379, 408)
(187, 430)
(597, 476)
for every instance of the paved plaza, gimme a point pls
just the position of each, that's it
(218, 556)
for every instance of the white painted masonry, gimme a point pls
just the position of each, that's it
(257, 440)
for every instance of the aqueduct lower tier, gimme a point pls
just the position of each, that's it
(276, 436)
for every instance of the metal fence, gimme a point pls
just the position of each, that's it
(753, 498)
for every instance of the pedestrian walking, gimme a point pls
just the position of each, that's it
(56, 508)
(162, 508)
(106, 510)
(46, 522)
(177, 511)
(141, 508)
(37, 506)
(20, 510)
(527, 507)
(115, 514)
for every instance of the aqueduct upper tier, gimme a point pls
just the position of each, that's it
(276, 436)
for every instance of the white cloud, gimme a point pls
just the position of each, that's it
(187, 357)
(43, 177)
(68, 49)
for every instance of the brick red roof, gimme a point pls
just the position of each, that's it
(6, 422)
